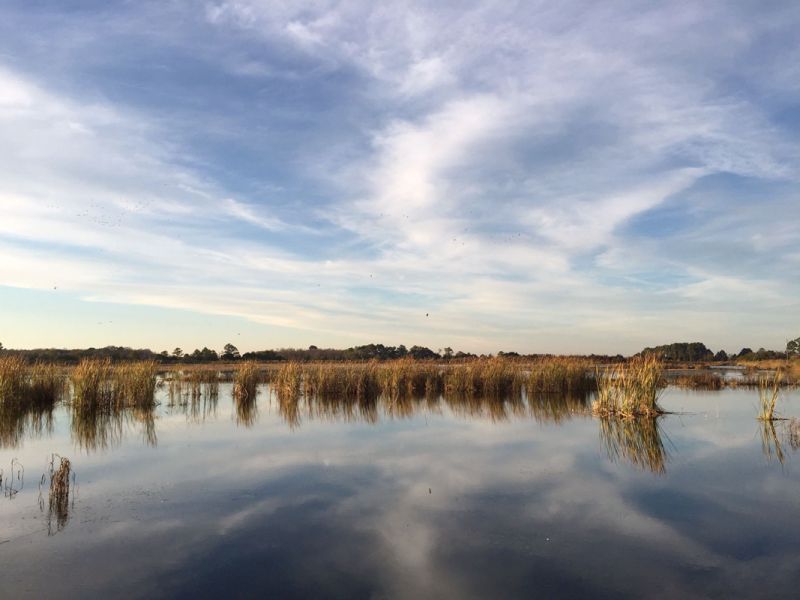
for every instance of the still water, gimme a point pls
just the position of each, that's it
(425, 499)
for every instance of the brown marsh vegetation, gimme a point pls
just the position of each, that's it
(630, 390)
(494, 377)
(28, 394)
(61, 476)
(98, 383)
(769, 388)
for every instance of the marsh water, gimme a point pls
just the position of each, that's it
(410, 499)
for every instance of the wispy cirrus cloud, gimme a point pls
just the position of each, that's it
(536, 176)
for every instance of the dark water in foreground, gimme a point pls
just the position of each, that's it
(416, 500)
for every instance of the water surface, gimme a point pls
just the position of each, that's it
(411, 499)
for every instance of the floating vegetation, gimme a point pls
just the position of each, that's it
(704, 380)
(638, 441)
(630, 390)
(12, 482)
(768, 391)
(58, 497)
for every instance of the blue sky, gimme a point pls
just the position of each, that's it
(535, 176)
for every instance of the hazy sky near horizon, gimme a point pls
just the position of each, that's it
(569, 176)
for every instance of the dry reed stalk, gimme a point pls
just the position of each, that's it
(59, 494)
(246, 379)
(92, 384)
(12, 378)
(630, 390)
(134, 383)
(768, 392)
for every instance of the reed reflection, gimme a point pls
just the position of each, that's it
(100, 428)
(638, 441)
(294, 407)
(770, 442)
(556, 408)
(19, 422)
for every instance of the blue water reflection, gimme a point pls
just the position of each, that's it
(419, 498)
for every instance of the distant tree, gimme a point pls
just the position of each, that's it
(262, 355)
(421, 353)
(448, 353)
(204, 355)
(313, 347)
(744, 352)
(230, 352)
(164, 353)
(682, 351)
(792, 347)
(1, 347)
(721, 356)
(177, 353)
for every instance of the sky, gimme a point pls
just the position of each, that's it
(532, 176)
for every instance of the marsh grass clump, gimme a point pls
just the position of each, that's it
(408, 378)
(245, 380)
(134, 383)
(352, 381)
(287, 382)
(92, 383)
(13, 378)
(98, 383)
(28, 397)
(630, 390)
(560, 375)
(769, 389)
(46, 384)
(492, 378)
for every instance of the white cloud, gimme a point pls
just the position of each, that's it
(495, 157)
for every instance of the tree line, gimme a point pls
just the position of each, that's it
(677, 352)
(698, 352)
